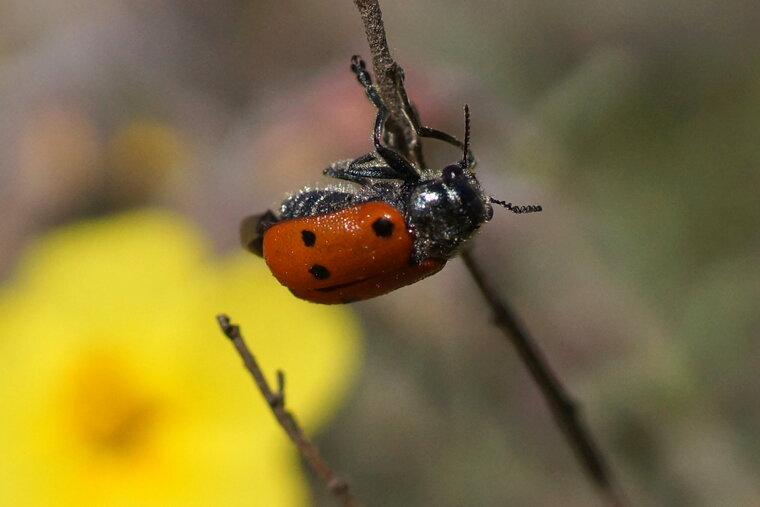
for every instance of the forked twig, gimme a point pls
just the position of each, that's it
(276, 400)
(565, 411)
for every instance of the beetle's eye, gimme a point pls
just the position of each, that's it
(452, 172)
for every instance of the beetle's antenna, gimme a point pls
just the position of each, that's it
(530, 208)
(466, 147)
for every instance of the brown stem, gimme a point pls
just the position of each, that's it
(276, 401)
(389, 75)
(564, 409)
(382, 62)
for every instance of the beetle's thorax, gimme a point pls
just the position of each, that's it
(445, 212)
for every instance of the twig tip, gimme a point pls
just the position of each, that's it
(229, 329)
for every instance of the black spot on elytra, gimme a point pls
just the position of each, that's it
(320, 272)
(349, 299)
(308, 237)
(382, 227)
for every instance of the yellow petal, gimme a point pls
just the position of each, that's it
(119, 388)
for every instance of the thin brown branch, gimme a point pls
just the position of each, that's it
(382, 63)
(564, 409)
(390, 77)
(276, 401)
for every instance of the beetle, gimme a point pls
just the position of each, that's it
(388, 225)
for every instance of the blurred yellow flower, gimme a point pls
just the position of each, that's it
(118, 388)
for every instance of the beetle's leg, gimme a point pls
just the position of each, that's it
(359, 68)
(421, 130)
(361, 169)
(360, 174)
(362, 159)
(252, 231)
(370, 160)
(404, 170)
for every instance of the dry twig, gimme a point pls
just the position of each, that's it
(276, 400)
(565, 411)
(388, 74)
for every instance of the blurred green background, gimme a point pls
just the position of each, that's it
(635, 125)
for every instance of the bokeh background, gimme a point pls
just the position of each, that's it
(635, 124)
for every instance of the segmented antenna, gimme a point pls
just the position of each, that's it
(530, 208)
(466, 147)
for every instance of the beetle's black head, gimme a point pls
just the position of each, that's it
(445, 212)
